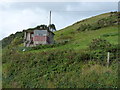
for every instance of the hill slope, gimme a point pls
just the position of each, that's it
(74, 61)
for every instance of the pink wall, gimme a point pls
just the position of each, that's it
(39, 38)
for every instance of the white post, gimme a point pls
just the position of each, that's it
(108, 58)
(50, 19)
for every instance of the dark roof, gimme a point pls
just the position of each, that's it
(38, 28)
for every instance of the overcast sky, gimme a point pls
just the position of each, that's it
(16, 16)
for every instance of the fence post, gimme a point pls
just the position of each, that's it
(108, 59)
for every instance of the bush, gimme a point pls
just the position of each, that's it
(99, 55)
(99, 49)
(84, 27)
(99, 44)
(110, 34)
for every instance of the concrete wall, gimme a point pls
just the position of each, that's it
(39, 37)
(28, 37)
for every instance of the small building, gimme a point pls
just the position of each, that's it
(39, 35)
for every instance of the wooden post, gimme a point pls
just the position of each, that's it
(108, 59)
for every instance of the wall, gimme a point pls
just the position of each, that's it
(40, 37)
(28, 37)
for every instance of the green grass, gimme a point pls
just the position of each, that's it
(81, 40)
(64, 66)
(73, 27)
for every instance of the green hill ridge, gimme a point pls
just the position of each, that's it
(76, 60)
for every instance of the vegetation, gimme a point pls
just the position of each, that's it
(7, 41)
(113, 19)
(76, 60)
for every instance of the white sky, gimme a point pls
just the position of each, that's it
(16, 16)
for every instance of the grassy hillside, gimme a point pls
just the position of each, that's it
(0, 65)
(76, 60)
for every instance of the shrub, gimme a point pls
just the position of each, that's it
(99, 44)
(99, 55)
(99, 49)
(84, 27)
(110, 34)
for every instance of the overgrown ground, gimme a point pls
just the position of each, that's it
(70, 62)
(0, 66)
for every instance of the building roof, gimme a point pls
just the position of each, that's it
(41, 27)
